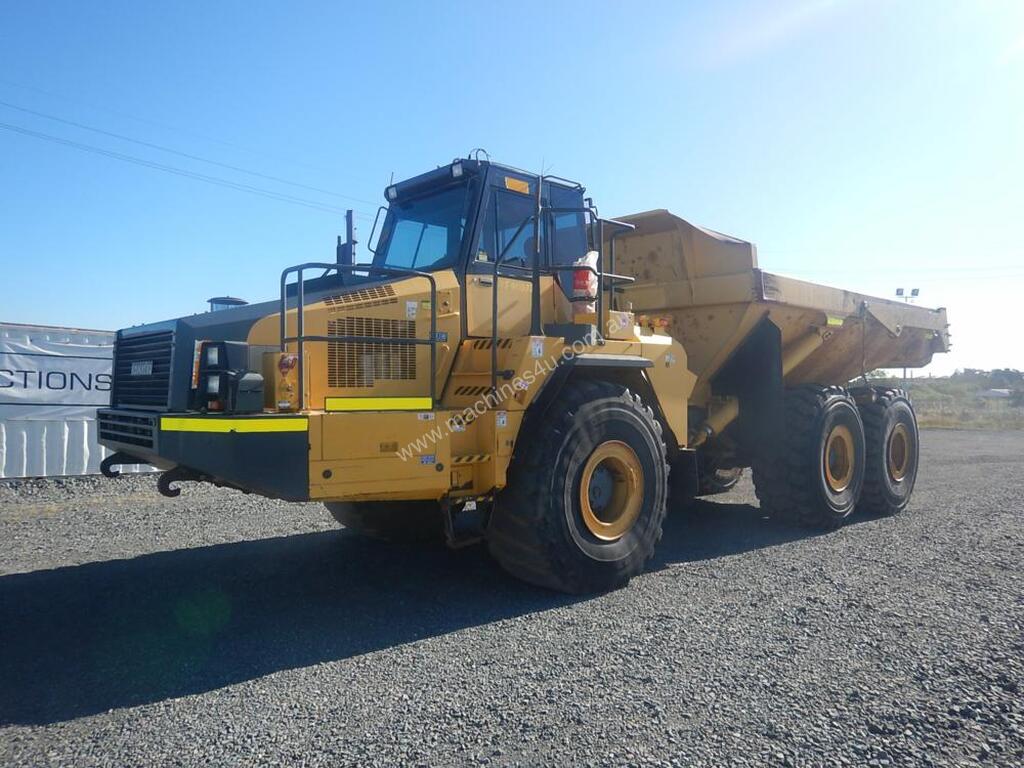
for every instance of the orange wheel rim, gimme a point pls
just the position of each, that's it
(838, 458)
(898, 452)
(611, 490)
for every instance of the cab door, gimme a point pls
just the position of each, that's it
(509, 201)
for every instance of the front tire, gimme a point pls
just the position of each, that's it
(586, 494)
(816, 473)
(892, 446)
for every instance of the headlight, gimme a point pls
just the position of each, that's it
(213, 384)
(391, 193)
(212, 355)
(456, 170)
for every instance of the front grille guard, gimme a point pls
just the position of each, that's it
(300, 338)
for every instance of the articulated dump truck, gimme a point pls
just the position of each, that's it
(508, 366)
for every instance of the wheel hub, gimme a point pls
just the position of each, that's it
(601, 488)
(838, 458)
(897, 451)
(611, 490)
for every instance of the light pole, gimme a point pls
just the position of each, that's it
(908, 298)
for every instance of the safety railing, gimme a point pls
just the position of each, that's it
(536, 270)
(300, 337)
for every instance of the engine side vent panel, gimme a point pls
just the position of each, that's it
(374, 296)
(360, 364)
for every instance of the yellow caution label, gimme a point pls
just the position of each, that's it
(228, 424)
(833, 320)
(378, 404)
(517, 185)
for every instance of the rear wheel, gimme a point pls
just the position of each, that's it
(891, 440)
(816, 473)
(586, 493)
(390, 520)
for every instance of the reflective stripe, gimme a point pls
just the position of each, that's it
(224, 424)
(378, 404)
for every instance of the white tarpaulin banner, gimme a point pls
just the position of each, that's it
(78, 383)
(52, 380)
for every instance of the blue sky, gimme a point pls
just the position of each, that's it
(870, 144)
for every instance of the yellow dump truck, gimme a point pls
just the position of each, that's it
(508, 366)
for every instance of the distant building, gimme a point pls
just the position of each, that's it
(996, 394)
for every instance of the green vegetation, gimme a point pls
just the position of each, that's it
(969, 399)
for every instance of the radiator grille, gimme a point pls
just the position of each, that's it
(374, 296)
(361, 364)
(127, 428)
(142, 369)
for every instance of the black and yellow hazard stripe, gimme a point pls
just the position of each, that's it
(471, 458)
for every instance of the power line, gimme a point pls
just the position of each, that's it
(157, 123)
(179, 153)
(216, 180)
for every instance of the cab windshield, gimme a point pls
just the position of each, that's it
(425, 232)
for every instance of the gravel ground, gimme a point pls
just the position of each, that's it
(229, 630)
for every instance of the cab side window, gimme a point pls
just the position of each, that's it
(501, 234)
(566, 232)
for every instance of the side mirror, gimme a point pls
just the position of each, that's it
(369, 242)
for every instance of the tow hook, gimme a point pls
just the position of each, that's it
(107, 465)
(176, 475)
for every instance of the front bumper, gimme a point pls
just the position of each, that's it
(264, 454)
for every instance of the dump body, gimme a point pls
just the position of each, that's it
(706, 290)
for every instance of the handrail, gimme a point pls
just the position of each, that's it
(535, 270)
(300, 338)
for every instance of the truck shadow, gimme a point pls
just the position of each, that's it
(709, 528)
(84, 639)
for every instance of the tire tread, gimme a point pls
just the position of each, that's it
(521, 536)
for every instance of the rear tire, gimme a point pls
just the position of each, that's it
(586, 494)
(893, 449)
(390, 520)
(816, 475)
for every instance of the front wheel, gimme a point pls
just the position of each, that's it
(586, 494)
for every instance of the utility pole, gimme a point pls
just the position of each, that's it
(908, 298)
